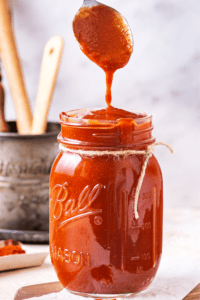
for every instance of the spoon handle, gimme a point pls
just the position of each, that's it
(49, 69)
(3, 125)
(90, 3)
(13, 69)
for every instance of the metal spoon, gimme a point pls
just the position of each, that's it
(90, 3)
(118, 21)
(104, 37)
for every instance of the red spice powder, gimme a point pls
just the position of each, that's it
(11, 249)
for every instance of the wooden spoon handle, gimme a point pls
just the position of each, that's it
(13, 69)
(3, 125)
(49, 69)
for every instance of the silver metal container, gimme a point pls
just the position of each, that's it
(25, 164)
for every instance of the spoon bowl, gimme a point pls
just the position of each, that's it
(105, 37)
(93, 28)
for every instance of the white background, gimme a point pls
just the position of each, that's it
(162, 77)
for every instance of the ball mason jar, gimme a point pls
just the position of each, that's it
(99, 248)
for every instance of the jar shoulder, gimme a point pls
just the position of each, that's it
(71, 164)
(154, 166)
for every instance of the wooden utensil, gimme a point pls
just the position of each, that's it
(3, 124)
(194, 294)
(49, 70)
(13, 69)
(38, 290)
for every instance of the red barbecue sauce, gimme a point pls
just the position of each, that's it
(105, 38)
(97, 245)
(98, 248)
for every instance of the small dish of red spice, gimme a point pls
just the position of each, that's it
(10, 247)
(13, 256)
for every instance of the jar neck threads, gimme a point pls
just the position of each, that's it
(108, 134)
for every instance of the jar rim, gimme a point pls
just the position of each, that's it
(122, 133)
(74, 117)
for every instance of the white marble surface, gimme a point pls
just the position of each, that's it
(178, 274)
(162, 77)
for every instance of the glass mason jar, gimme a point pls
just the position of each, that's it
(99, 248)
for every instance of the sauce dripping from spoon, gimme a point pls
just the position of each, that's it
(104, 37)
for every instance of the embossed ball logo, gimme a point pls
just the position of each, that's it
(98, 220)
(67, 209)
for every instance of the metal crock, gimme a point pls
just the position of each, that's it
(25, 164)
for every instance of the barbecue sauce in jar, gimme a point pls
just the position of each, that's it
(99, 248)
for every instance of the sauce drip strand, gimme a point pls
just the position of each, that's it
(105, 38)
